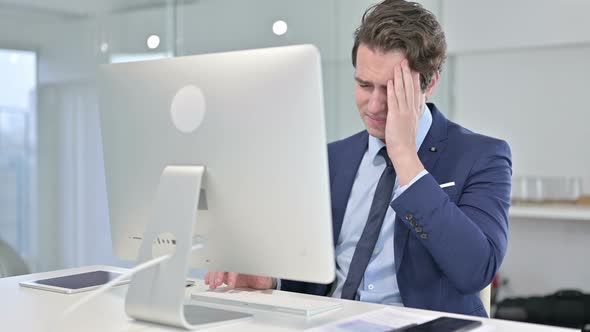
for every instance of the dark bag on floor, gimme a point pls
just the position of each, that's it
(567, 308)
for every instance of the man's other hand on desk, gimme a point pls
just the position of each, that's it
(236, 280)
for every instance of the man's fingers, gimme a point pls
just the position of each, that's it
(235, 280)
(398, 88)
(408, 80)
(231, 279)
(219, 278)
(210, 278)
(206, 278)
(214, 279)
(392, 105)
(418, 100)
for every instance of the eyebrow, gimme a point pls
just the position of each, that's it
(361, 81)
(356, 78)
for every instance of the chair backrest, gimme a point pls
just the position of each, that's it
(486, 298)
(11, 264)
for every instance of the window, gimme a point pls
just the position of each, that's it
(18, 84)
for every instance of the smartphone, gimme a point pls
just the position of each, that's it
(443, 324)
(74, 283)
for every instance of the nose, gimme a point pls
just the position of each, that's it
(377, 101)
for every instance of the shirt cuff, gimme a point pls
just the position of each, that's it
(278, 284)
(400, 190)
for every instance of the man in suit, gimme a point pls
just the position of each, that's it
(419, 204)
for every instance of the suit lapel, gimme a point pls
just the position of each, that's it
(435, 141)
(348, 165)
(432, 146)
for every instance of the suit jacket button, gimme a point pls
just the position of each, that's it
(409, 216)
(414, 223)
(418, 229)
(424, 236)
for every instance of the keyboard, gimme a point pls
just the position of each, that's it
(269, 300)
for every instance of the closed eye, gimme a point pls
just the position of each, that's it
(363, 84)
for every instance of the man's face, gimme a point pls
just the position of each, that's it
(373, 70)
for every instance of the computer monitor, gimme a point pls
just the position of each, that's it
(255, 120)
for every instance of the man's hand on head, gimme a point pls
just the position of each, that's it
(405, 103)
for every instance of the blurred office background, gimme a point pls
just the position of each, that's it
(517, 70)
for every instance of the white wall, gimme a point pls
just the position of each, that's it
(476, 25)
(213, 25)
(545, 256)
(533, 99)
(520, 73)
(127, 32)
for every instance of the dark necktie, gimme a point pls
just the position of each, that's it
(366, 244)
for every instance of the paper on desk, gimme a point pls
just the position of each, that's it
(375, 321)
(380, 321)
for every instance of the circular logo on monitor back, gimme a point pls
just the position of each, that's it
(188, 108)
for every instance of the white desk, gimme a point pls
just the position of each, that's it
(27, 309)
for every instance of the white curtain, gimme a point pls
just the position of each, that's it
(72, 192)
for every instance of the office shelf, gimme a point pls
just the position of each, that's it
(550, 211)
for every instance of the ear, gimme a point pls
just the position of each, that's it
(430, 88)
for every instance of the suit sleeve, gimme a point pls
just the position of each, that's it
(467, 240)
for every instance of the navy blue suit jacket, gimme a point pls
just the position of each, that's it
(449, 242)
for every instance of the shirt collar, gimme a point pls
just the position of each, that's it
(424, 124)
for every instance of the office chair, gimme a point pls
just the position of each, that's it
(11, 264)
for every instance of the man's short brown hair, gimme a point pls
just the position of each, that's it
(398, 25)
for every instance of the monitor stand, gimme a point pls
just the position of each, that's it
(157, 294)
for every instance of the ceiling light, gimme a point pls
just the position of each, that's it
(104, 47)
(153, 41)
(279, 28)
